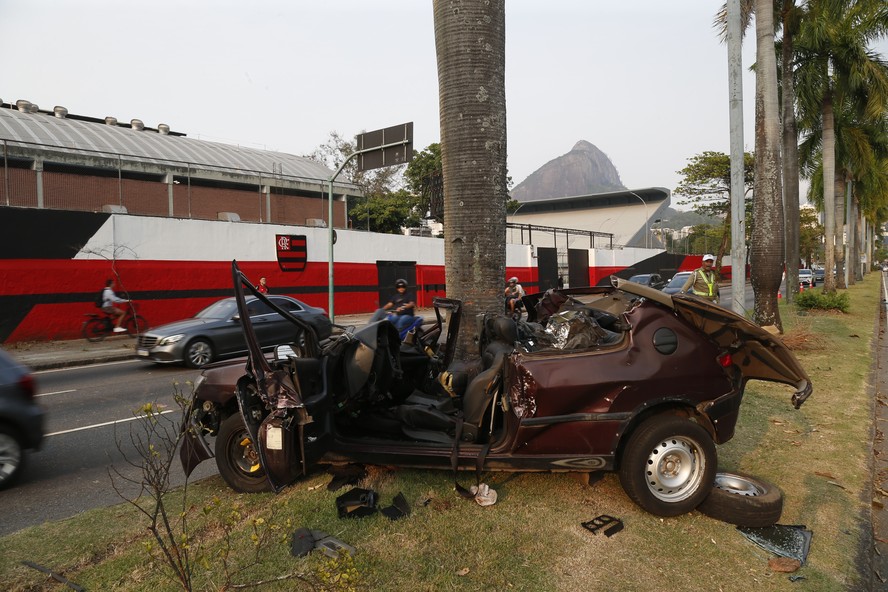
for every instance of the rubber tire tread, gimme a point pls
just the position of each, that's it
(745, 510)
(17, 471)
(232, 428)
(642, 440)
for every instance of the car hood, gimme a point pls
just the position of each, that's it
(182, 326)
(759, 354)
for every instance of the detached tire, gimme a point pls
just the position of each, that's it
(668, 465)
(237, 457)
(743, 500)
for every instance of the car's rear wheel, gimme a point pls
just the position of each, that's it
(668, 465)
(95, 330)
(12, 457)
(743, 500)
(198, 352)
(238, 458)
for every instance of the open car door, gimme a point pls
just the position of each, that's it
(291, 428)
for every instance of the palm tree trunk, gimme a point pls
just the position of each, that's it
(829, 195)
(766, 249)
(470, 40)
(840, 230)
(790, 158)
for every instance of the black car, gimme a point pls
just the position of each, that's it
(608, 378)
(677, 281)
(654, 280)
(21, 419)
(216, 331)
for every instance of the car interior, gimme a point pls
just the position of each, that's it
(414, 390)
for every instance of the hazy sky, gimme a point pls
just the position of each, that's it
(643, 80)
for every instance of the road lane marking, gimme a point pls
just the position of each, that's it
(57, 393)
(67, 368)
(107, 423)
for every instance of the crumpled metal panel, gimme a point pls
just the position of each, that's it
(522, 391)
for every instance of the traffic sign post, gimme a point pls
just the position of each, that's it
(379, 148)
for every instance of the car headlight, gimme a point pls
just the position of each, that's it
(171, 339)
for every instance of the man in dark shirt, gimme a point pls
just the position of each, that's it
(400, 306)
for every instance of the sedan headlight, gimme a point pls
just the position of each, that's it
(171, 339)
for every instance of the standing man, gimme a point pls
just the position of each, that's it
(703, 281)
(262, 287)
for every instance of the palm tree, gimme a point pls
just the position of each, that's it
(470, 44)
(766, 247)
(836, 72)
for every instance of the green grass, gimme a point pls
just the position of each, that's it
(532, 538)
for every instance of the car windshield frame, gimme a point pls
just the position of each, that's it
(215, 310)
(678, 279)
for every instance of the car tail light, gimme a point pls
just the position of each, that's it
(28, 385)
(725, 360)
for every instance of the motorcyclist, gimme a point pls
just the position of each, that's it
(399, 308)
(514, 293)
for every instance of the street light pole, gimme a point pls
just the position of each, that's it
(646, 218)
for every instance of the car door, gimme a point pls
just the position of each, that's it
(282, 330)
(294, 428)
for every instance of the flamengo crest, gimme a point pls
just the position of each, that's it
(292, 252)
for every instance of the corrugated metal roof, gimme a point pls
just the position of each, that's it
(69, 134)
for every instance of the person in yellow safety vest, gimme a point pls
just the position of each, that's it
(703, 281)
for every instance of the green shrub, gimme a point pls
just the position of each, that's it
(817, 299)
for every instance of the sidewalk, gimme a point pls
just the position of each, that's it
(48, 355)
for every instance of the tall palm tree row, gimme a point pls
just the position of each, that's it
(840, 86)
(833, 92)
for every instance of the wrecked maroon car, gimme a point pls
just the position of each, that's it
(617, 378)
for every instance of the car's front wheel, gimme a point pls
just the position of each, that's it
(238, 458)
(12, 457)
(198, 353)
(668, 465)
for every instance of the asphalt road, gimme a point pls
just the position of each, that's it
(89, 422)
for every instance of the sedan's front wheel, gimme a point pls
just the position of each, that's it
(238, 458)
(669, 465)
(198, 353)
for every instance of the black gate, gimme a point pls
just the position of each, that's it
(387, 272)
(578, 267)
(547, 267)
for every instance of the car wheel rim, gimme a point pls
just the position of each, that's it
(737, 485)
(674, 469)
(244, 454)
(10, 456)
(199, 354)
